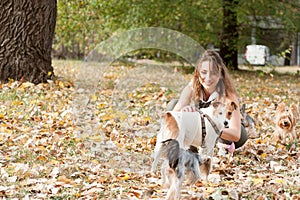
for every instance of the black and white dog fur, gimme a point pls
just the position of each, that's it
(177, 162)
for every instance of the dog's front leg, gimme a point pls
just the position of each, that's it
(157, 149)
(156, 156)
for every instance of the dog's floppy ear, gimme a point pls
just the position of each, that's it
(281, 107)
(167, 115)
(295, 110)
(234, 106)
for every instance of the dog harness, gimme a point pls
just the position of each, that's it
(203, 104)
(213, 124)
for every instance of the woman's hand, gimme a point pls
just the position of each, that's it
(189, 109)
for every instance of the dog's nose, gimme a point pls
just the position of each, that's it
(226, 124)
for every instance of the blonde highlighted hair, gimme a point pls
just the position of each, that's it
(225, 87)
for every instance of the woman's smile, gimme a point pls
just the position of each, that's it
(208, 78)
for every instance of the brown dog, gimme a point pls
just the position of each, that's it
(286, 118)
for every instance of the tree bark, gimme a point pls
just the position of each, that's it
(229, 36)
(26, 34)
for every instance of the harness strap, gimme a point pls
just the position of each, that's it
(203, 129)
(213, 124)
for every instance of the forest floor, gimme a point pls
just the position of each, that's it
(90, 133)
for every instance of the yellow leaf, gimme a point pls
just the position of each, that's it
(64, 179)
(106, 117)
(61, 84)
(77, 195)
(280, 146)
(259, 141)
(54, 162)
(264, 155)
(42, 157)
(95, 161)
(228, 182)
(16, 103)
(279, 181)
(257, 180)
(42, 148)
(93, 98)
(26, 85)
(101, 105)
(96, 138)
(1, 116)
(49, 73)
(159, 191)
(124, 177)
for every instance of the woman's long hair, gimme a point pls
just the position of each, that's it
(225, 86)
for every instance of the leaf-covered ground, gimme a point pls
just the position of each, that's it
(90, 134)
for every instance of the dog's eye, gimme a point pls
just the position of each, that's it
(229, 113)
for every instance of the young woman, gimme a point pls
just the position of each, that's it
(212, 81)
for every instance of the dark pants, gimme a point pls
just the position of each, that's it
(244, 134)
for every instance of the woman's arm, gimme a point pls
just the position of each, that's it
(185, 100)
(233, 133)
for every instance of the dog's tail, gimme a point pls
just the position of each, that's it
(172, 150)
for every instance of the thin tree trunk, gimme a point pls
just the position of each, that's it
(26, 35)
(229, 37)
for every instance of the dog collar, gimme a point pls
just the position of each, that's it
(203, 104)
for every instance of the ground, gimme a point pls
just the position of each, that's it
(90, 134)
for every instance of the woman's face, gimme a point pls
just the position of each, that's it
(209, 77)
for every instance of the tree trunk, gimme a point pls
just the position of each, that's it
(26, 35)
(229, 36)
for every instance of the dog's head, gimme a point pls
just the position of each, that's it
(217, 111)
(230, 107)
(286, 116)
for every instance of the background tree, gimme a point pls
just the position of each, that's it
(229, 35)
(26, 34)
